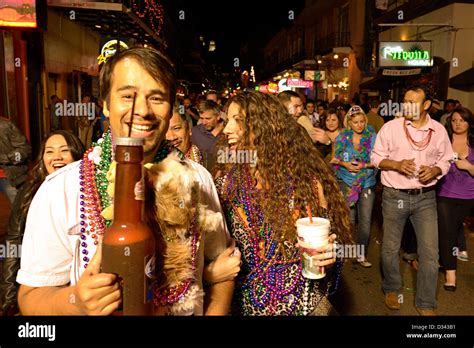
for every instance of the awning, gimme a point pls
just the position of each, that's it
(305, 64)
(379, 82)
(463, 81)
(108, 19)
(387, 78)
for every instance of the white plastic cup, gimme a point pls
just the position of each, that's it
(312, 236)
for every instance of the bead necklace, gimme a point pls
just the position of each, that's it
(418, 145)
(94, 198)
(194, 154)
(266, 282)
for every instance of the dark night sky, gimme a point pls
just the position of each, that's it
(232, 24)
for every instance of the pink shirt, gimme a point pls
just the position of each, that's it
(392, 144)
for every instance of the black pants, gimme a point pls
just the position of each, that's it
(451, 214)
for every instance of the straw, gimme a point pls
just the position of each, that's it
(133, 112)
(308, 209)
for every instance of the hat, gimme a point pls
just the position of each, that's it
(436, 104)
(355, 109)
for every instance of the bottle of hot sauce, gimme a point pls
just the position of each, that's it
(128, 247)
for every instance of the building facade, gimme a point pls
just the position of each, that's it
(60, 56)
(328, 37)
(447, 26)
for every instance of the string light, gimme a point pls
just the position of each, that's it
(154, 13)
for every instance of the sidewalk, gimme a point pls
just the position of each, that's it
(361, 293)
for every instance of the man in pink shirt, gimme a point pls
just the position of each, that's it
(413, 153)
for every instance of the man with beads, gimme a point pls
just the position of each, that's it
(60, 267)
(179, 136)
(413, 153)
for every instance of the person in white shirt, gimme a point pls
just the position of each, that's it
(60, 266)
(312, 114)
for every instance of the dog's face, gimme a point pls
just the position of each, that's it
(173, 190)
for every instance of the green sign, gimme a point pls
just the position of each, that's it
(404, 53)
(411, 55)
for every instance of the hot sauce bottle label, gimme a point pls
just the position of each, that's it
(139, 191)
(149, 277)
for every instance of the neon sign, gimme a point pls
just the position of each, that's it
(405, 53)
(298, 83)
(411, 55)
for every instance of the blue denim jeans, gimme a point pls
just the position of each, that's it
(10, 191)
(362, 210)
(397, 207)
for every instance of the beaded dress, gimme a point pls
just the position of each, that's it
(265, 285)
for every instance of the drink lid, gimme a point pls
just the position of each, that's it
(127, 141)
(317, 221)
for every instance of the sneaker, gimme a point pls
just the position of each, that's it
(364, 263)
(462, 256)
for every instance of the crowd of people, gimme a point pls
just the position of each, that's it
(313, 158)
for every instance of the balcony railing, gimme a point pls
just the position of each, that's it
(336, 39)
(276, 65)
(411, 9)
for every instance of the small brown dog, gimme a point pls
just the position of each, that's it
(174, 211)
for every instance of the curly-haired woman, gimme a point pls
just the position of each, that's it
(357, 176)
(262, 201)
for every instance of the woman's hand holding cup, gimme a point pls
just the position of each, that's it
(316, 245)
(323, 255)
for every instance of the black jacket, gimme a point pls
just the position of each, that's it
(14, 152)
(11, 265)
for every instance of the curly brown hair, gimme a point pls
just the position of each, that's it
(286, 157)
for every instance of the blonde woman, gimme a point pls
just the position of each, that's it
(356, 174)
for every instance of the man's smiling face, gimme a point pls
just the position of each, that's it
(152, 107)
